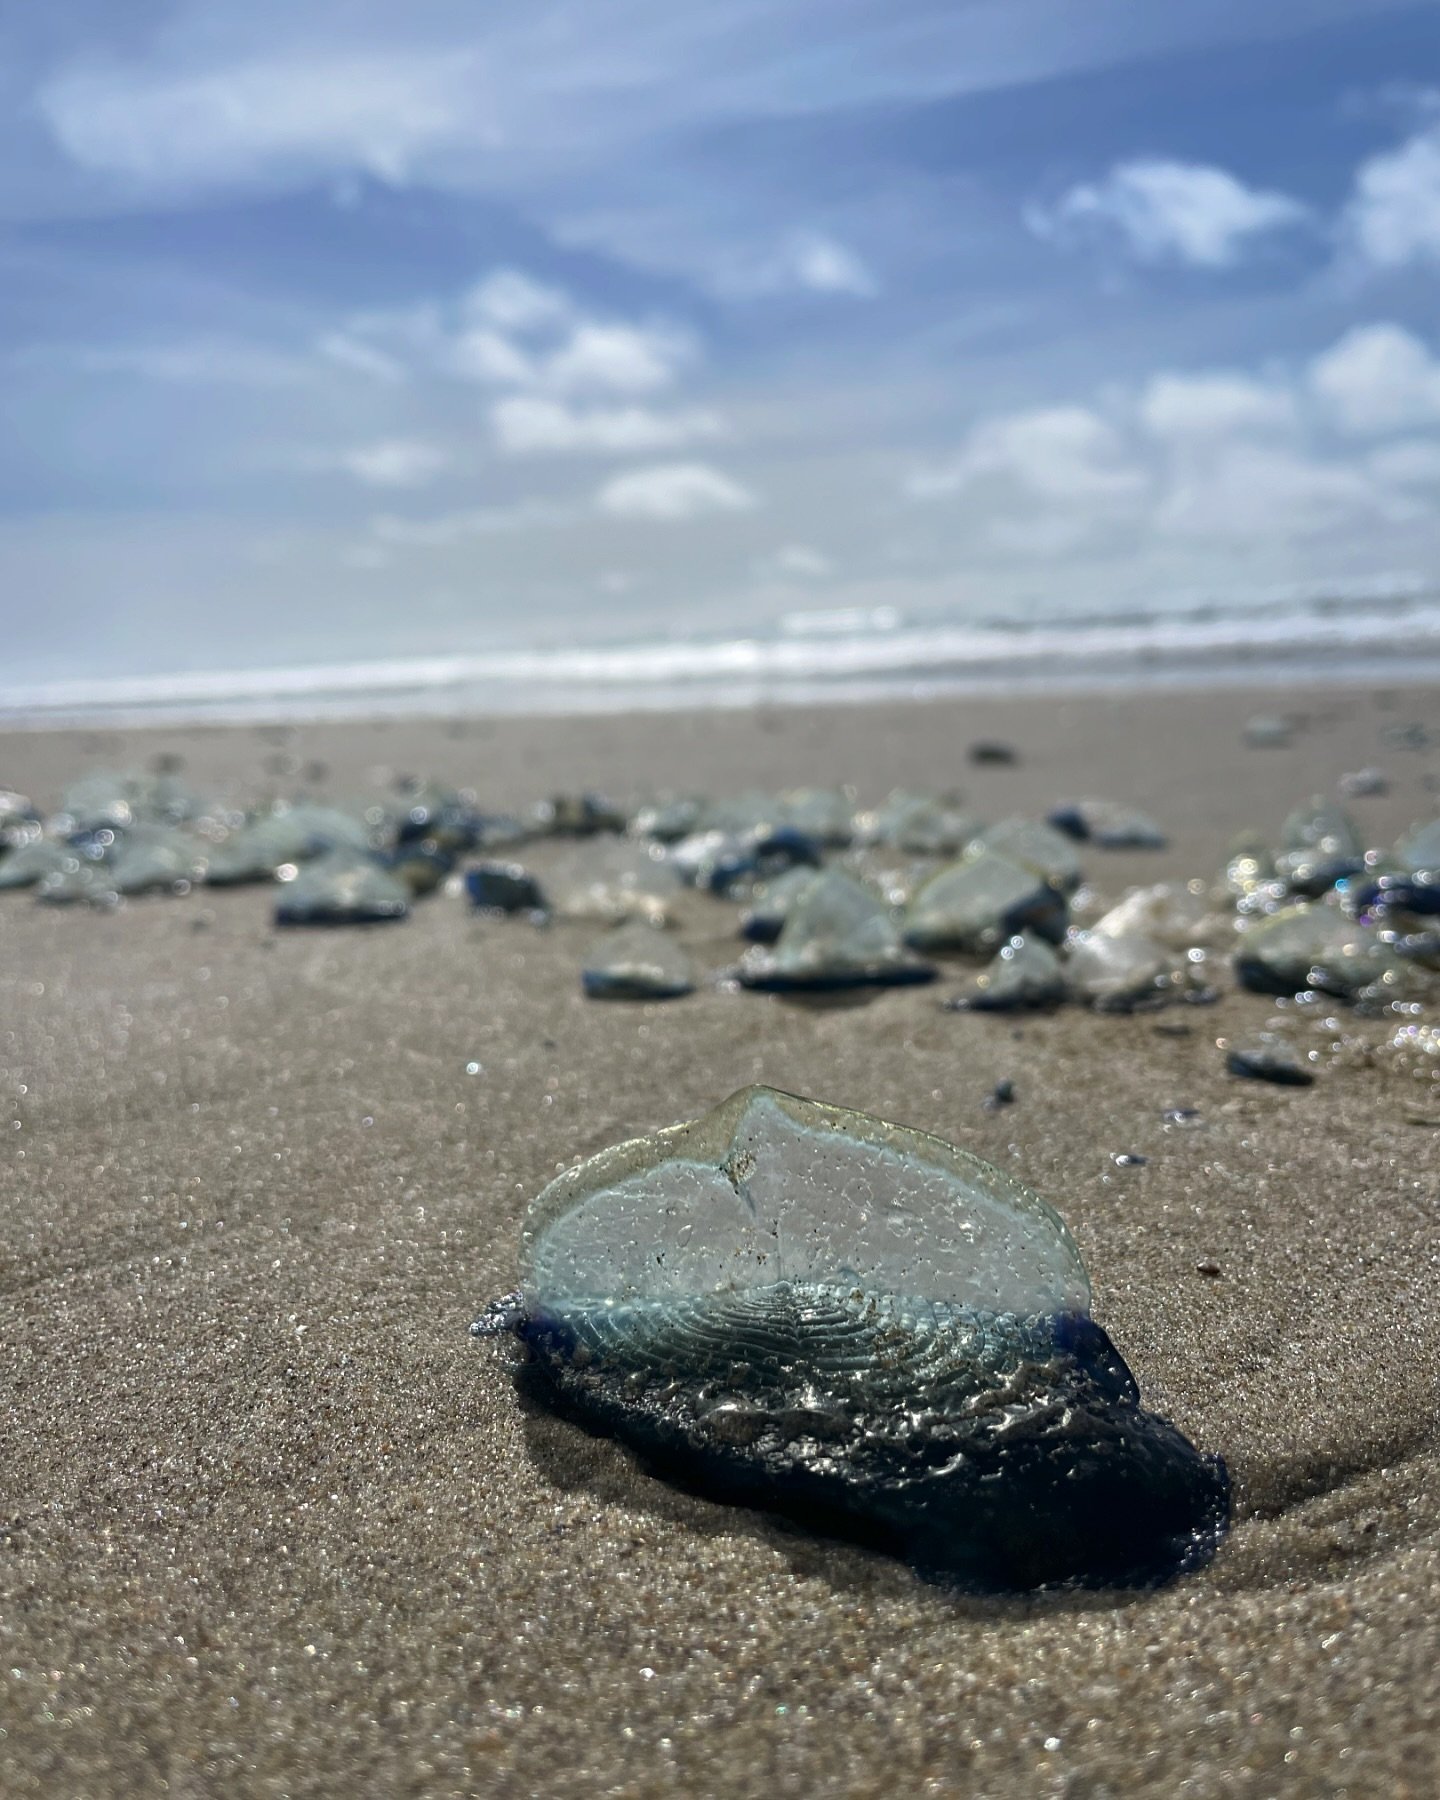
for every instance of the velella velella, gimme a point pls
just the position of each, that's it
(1109, 824)
(341, 888)
(975, 905)
(1035, 845)
(637, 961)
(814, 1310)
(837, 934)
(1026, 972)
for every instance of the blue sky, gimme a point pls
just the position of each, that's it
(337, 331)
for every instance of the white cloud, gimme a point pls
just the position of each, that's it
(1220, 458)
(828, 267)
(1061, 453)
(1394, 214)
(487, 355)
(534, 425)
(1171, 212)
(510, 331)
(1184, 407)
(672, 491)
(511, 300)
(1251, 494)
(618, 358)
(394, 463)
(1378, 378)
(365, 111)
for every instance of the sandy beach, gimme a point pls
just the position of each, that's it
(272, 1524)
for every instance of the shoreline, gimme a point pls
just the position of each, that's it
(275, 1524)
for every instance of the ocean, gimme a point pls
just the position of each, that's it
(1387, 631)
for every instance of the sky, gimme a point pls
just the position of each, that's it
(337, 331)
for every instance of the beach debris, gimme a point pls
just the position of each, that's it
(1127, 1159)
(1268, 731)
(1120, 972)
(19, 820)
(1025, 974)
(726, 862)
(422, 864)
(920, 825)
(280, 837)
(503, 887)
(975, 905)
(106, 865)
(1316, 946)
(814, 1310)
(1266, 1056)
(1181, 1115)
(637, 961)
(1250, 880)
(824, 815)
(341, 887)
(994, 752)
(1363, 784)
(153, 859)
(1176, 914)
(1418, 852)
(1320, 844)
(1209, 1268)
(429, 812)
(1108, 824)
(578, 815)
(667, 821)
(837, 934)
(770, 904)
(31, 862)
(1002, 1094)
(1408, 734)
(81, 881)
(1035, 845)
(611, 880)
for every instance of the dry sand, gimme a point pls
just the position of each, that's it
(273, 1525)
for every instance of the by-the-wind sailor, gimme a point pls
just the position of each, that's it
(811, 1309)
(637, 961)
(1320, 846)
(975, 905)
(341, 888)
(771, 902)
(1035, 845)
(1026, 972)
(837, 934)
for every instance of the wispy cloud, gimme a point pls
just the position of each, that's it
(1164, 211)
(671, 492)
(244, 120)
(534, 425)
(394, 463)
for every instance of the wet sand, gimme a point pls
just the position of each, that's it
(271, 1524)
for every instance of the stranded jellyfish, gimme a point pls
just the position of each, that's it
(795, 1306)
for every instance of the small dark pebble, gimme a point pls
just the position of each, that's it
(1212, 1269)
(1002, 1094)
(1180, 1115)
(987, 751)
(1126, 1159)
(1172, 1030)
